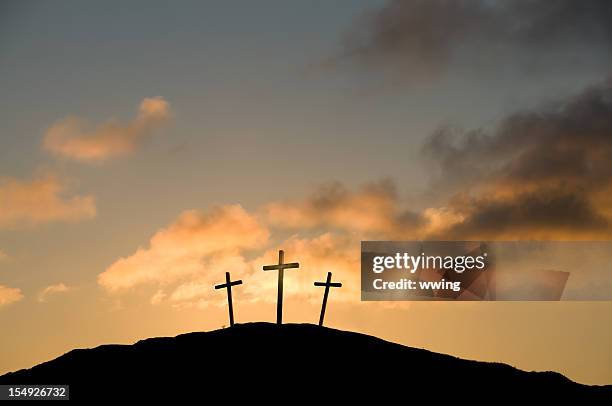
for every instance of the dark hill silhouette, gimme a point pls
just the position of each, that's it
(291, 362)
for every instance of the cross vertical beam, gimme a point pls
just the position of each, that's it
(328, 283)
(280, 267)
(279, 299)
(228, 285)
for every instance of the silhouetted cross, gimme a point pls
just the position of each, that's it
(328, 283)
(228, 285)
(281, 268)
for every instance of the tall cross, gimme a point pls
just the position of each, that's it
(328, 283)
(281, 266)
(228, 285)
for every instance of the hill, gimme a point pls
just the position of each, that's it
(294, 361)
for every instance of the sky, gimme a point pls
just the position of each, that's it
(148, 147)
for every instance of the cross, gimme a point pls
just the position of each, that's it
(281, 266)
(228, 285)
(328, 283)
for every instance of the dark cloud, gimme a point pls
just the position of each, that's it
(417, 37)
(569, 141)
(544, 173)
(533, 215)
(546, 170)
(420, 38)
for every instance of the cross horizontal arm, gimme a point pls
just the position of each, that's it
(332, 284)
(281, 266)
(225, 285)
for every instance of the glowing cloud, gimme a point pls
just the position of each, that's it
(328, 252)
(373, 209)
(318, 255)
(181, 249)
(9, 295)
(186, 258)
(74, 138)
(40, 201)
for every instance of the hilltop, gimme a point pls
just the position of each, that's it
(267, 361)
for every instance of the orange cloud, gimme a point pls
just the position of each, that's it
(52, 290)
(318, 255)
(372, 209)
(199, 291)
(74, 138)
(9, 295)
(185, 259)
(185, 247)
(40, 201)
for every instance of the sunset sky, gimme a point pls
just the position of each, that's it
(148, 147)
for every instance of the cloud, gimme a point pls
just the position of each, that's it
(544, 214)
(9, 295)
(327, 252)
(420, 39)
(186, 248)
(52, 290)
(185, 259)
(198, 289)
(74, 138)
(317, 255)
(158, 297)
(372, 209)
(416, 37)
(543, 173)
(39, 201)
